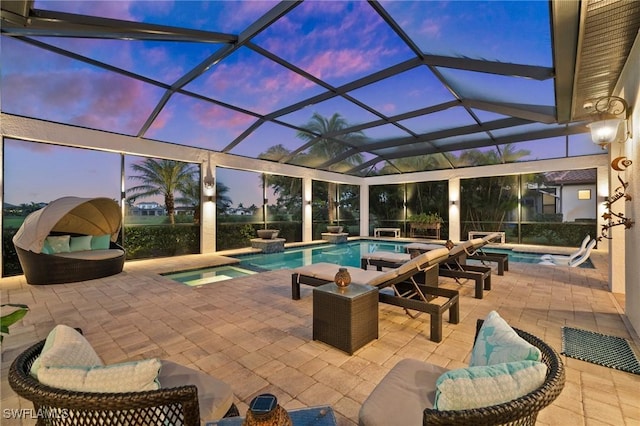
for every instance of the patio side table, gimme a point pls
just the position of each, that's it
(345, 318)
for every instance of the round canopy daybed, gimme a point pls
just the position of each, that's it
(71, 239)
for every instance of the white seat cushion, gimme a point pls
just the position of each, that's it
(214, 396)
(389, 256)
(402, 395)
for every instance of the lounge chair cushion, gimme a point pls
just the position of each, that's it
(422, 247)
(214, 396)
(134, 376)
(389, 256)
(65, 347)
(497, 342)
(407, 390)
(327, 271)
(483, 386)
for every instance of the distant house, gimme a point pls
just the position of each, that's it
(241, 211)
(148, 209)
(570, 195)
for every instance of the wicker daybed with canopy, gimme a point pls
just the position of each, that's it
(71, 239)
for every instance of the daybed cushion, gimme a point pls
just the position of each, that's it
(134, 376)
(483, 386)
(92, 254)
(497, 342)
(80, 243)
(214, 396)
(65, 347)
(402, 394)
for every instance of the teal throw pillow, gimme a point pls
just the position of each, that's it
(484, 386)
(59, 243)
(100, 242)
(46, 248)
(497, 342)
(80, 243)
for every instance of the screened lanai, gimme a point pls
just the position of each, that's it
(363, 98)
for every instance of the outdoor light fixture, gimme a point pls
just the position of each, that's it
(611, 112)
(209, 182)
(453, 202)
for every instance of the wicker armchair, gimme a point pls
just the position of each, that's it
(58, 407)
(520, 411)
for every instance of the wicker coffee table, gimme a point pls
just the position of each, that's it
(345, 318)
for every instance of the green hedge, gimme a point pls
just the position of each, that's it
(238, 235)
(143, 242)
(10, 263)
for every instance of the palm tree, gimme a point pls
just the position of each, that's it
(223, 201)
(191, 197)
(324, 149)
(161, 177)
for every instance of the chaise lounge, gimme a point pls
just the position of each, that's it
(476, 252)
(453, 266)
(396, 287)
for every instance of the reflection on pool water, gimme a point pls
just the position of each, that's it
(198, 277)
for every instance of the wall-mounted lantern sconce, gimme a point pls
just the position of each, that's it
(209, 183)
(209, 188)
(610, 114)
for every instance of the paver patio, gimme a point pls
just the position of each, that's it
(248, 332)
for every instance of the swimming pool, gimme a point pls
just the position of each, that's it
(198, 277)
(349, 254)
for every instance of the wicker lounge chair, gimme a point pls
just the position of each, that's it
(386, 405)
(452, 267)
(396, 287)
(59, 407)
(73, 217)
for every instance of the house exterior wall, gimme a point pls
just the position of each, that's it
(573, 208)
(624, 246)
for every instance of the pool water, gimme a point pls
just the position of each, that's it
(347, 254)
(198, 277)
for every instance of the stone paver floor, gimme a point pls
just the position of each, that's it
(249, 333)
